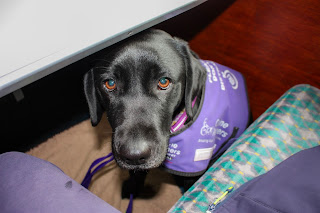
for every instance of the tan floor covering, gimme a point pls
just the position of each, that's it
(76, 148)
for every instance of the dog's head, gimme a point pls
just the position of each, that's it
(141, 84)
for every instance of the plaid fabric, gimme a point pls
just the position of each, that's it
(290, 125)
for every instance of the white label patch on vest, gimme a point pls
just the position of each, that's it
(204, 154)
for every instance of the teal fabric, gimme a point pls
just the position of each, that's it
(290, 125)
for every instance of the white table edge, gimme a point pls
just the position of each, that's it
(56, 61)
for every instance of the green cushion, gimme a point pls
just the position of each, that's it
(290, 125)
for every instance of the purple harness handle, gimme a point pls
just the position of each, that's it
(87, 179)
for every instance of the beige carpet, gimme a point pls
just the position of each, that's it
(76, 148)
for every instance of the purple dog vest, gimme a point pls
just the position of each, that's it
(223, 117)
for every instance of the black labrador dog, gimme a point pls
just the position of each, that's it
(142, 84)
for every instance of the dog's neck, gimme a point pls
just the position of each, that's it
(180, 118)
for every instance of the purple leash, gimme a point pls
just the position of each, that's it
(129, 209)
(87, 179)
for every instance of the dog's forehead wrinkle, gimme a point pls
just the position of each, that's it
(136, 53)
(166, 53)
(157, 51)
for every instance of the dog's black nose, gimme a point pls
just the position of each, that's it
(135, 156)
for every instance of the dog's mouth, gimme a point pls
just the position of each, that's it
(142, 167)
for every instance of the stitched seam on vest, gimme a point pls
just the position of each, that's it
(260, 203)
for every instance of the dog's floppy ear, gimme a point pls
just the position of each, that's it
(95, 108)
(195, 77)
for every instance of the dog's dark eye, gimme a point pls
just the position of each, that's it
(110, 84)
(163, 83)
